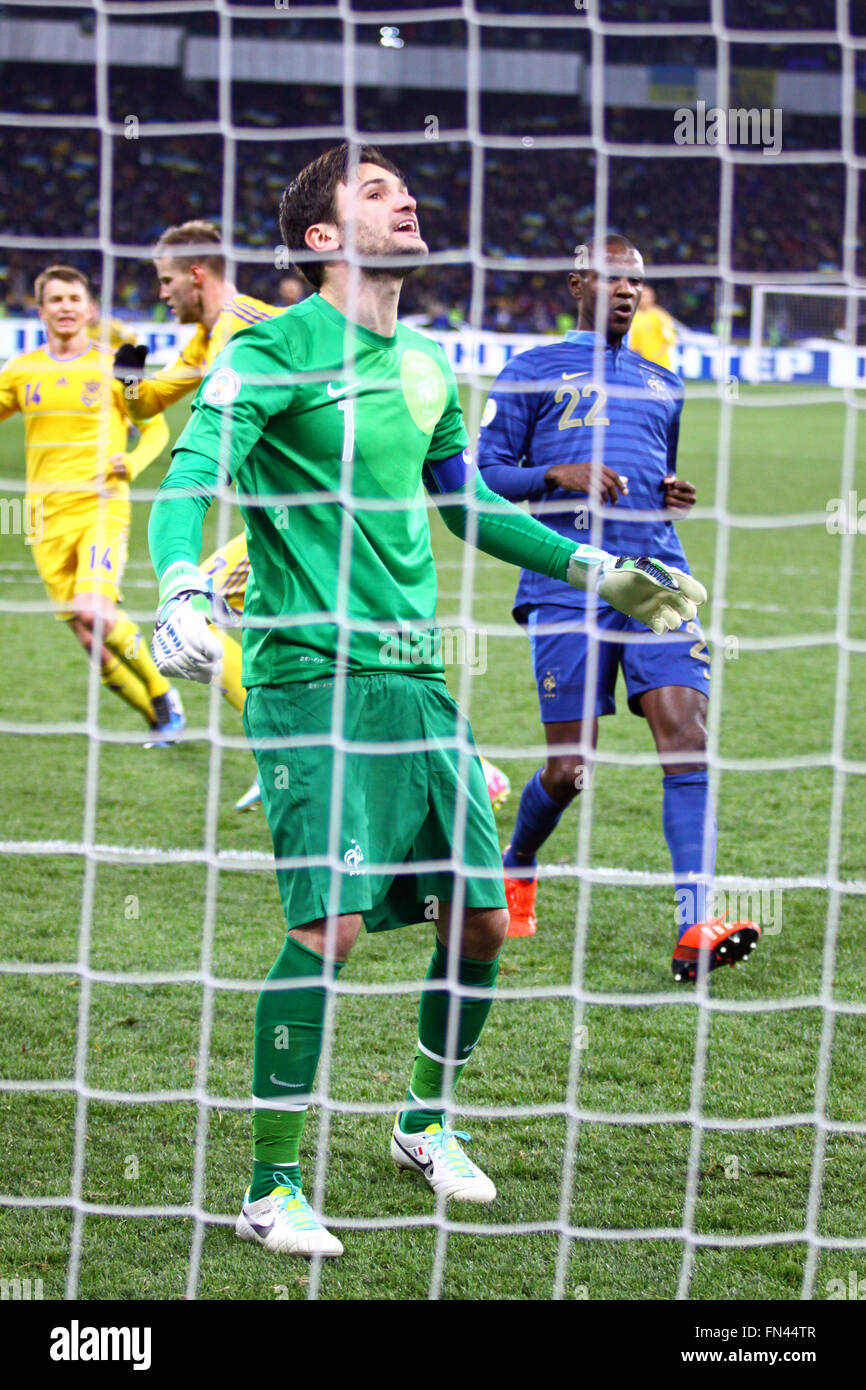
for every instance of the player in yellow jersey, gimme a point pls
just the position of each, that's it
(78, 474)
(191, 270)
(108, 333)
(653, 332)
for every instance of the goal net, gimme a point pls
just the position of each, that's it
(804, 316)
(648, 1140)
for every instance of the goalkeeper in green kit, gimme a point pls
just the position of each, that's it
(377, 816)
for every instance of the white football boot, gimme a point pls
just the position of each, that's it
(250, 798)
(438, 1157)
(285, 1223)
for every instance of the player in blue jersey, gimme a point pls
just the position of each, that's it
(587, 431)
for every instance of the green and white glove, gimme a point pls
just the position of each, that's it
(658, 595)
(183, 644)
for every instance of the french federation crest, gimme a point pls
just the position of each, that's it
(424, 388)
(656, 385)
(353, 858)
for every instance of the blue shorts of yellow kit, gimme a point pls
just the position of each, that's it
(560, 658)
(398, 808)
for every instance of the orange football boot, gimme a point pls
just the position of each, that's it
(520, 896)
(720, 942)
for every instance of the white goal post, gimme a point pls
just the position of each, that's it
(792, 315)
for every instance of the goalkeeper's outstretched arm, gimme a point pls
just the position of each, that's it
(656, 594)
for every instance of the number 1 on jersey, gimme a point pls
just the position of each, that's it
(347, 405)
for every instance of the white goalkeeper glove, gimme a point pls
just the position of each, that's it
(658, 595)
(183, 644)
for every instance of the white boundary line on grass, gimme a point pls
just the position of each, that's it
(252, 860)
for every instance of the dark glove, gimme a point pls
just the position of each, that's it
(129, 362)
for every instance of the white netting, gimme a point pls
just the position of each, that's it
(805, 317)
(217, 861)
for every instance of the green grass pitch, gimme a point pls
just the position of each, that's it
(786, 453)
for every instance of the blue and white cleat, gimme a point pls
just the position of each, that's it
(438, 1157)
(250, 798)
(170, 719)
(285, 1223)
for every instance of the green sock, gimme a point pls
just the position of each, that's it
(267, 1176)
(288, 1041)
(427, 1082)
(276, 1140)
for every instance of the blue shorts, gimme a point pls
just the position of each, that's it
(648, 662)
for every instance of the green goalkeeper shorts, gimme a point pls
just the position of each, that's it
(387, 832)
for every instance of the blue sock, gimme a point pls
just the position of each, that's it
(537, 817)
(685, 809)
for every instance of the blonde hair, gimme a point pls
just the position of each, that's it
(197, 236)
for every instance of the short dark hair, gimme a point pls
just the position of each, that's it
(67, 273)
(612, 241)
(197, 235)
(312, 197)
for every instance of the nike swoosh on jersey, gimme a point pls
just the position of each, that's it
(569, 376)
(334, 392)
(290, 1085)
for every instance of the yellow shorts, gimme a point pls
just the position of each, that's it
(229, 567)
(87, 558)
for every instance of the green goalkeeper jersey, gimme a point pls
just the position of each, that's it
(327, 426)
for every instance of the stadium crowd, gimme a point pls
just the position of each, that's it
(538, 201)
